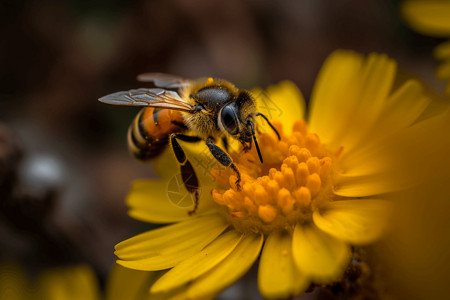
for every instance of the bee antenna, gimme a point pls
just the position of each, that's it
(254, 139)
(270, 124)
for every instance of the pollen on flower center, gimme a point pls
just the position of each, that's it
(293, 181)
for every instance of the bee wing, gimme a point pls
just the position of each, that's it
(164, 80)
(159, 98)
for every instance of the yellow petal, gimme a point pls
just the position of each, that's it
(376, 78)
(166, 165)
(69, 283)
(229, 270)
(123, 283)
(443, 71)
(283, 102)
(442, 51)
(349, 96)
(165, 247)
(149, 201)
(278, 277)
(318, 255)
(369, 185)
(374, 169)
(177, 294)
(402, 109)
(165, 201)
(174, 294)
(357, 222)
(199, 263)
(429, 17)
(333, 89)
(394, 164)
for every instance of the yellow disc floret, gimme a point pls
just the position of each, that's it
(293, 181)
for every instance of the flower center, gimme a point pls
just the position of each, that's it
(294, 180)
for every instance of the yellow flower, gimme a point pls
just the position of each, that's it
(70, 283)
(432, 17)
(320, 190)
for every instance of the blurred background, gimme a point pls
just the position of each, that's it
(64, 165)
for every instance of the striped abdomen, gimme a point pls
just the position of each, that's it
(148, 134)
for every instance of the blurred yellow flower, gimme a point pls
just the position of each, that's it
(320, 190)
(70, 283)
(413, 258)
(129, 284)
(432, 17)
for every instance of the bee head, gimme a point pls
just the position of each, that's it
(236, 118)
(234, 115)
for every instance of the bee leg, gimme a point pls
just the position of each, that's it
(188, 175)
(224, 159)
(190, 181)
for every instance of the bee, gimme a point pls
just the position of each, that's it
(206, 110)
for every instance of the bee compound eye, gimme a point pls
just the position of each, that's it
(229, 119)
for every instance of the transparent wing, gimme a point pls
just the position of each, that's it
(159, 98)
(164, 80)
